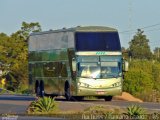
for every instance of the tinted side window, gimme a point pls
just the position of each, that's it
(55, 69)
(38, 69)
(51, 69)
(63, 70)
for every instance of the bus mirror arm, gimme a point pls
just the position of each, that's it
(73, 65)
(125, 66)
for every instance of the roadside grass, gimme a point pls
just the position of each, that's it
(36, 109)
(4, 91)
(27, 91)
(99, 112)
(47, 106)
(23, 90)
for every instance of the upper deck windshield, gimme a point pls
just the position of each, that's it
(97, 41)
(100, 69)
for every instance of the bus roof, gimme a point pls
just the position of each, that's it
(79, 29)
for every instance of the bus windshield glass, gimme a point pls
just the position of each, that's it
(97, 41)
(89, 70)
(103, 70)
(110, 69)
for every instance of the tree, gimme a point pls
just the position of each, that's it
(139, 47)
(139, 80)
(27, 28)
(4, 41)
(125, 53)
(156, 75)
(157, 53)
(14, 54)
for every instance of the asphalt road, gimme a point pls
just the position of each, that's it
(149, 106)
(14, 103)
(17, 104)
(13, 107)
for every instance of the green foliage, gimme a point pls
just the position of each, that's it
(26, 91)
(139, 77)
(157, 53)
(125, 53)
(27, 28)
(134, 111)
(43, 105)
(95, 109)
(14, 55)
(99, 111)
(144, 68)
(4, 91)
(156, 75)
(142, 78)
(102, 113)
(139, 47)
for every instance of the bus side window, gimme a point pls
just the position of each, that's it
(31, 73)
(63, 70)
(38, 69)
(51, 69)
(31, 68)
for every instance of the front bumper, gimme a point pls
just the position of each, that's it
(82, 91)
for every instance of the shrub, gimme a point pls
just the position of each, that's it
(27, 91)
(43, 105)
(134, 111)
(97, 110)
(100, 112)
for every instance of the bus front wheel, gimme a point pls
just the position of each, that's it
(41, 86)
(67, 91)
(37, 89)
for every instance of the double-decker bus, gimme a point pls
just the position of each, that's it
(76, 62)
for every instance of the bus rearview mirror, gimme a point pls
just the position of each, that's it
(125, 66)
(73, 65)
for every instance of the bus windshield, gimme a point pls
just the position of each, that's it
(89, 70)
(102, 70)
(110, 69)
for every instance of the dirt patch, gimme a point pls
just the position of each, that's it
(127, 97)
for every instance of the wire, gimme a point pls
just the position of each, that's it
(150, 26)
(152, 30)
(146, 27)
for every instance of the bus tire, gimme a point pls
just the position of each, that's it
(41, 86)
(37, 88)
(67, 91)
(108, 98)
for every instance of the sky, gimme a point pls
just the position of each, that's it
(124, 15)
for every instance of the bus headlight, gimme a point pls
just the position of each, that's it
(117, 84)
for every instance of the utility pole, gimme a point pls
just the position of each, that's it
(158, 52)
(130, 22)
(130, 15)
